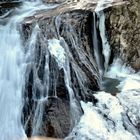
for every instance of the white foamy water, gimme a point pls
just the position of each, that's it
(11, 82)
(102, 4)
(112, 117)
(105, 44)
(12, 70)
(58, 49)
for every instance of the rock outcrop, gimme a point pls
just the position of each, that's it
(74, 29)
(47, 110)
(72, 23)
(123, 26)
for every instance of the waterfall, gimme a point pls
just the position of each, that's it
(105, 44)
(11, 82)
(63, 61)
(51, 71)
(97, 44)
(12, 74)
(102, 49)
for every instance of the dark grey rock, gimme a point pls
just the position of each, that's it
(123, 25)
(56, 118)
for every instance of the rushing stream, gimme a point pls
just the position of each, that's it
(12, 74)
(115, 115)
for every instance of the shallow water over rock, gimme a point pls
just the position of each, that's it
(55, 75)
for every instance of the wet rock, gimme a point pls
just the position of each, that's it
(123, 25)
(54, 115)
(6, 6)
(9, 4)
(136, 64)
(73, 29)
(43, 138)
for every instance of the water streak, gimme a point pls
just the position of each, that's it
(105, 44)
(12, 73)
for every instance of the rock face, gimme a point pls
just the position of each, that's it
(50, 91)
(8, 6)
(52, 117)
(48, 109)
(123, 26)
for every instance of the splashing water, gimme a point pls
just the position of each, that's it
(112, 117)
(11, 82)
(97, 47)
(103, 4)
(59, 53)
(12, 74)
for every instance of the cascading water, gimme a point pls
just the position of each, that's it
(12, 74)
(56, 62)
(40, 76)
(98, 47)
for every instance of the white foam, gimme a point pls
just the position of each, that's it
(102, 4)
(57, 51)
(113, 117)
(131, 103)
(105, 44)
(94, 124)
(129, 79)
